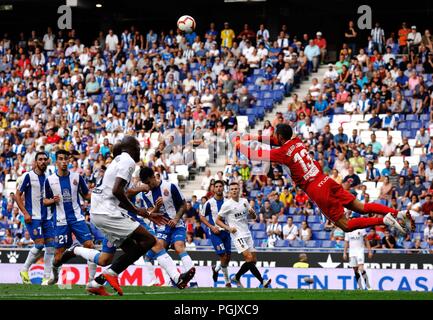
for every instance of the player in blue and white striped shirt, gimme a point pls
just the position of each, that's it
(220, 238)
(36, 216)
(62, 194)
(172, 205)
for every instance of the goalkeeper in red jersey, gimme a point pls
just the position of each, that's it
(306, 173)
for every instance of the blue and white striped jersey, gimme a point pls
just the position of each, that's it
(32, 185)
(69, 189)
(173, 199)
(211, 209)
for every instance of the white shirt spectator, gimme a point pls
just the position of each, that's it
(331, 74)
(273, 237)
(388, 149)
(306, 129)
(349, 106)
(111, 41)
(428, 174)
(388, 56)
(290, 233)
(48, 42)
(315, 94)
(286, 75)
(320, 123)
(262, 53)
(428, 232)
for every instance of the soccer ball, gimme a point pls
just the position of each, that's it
(186, 24)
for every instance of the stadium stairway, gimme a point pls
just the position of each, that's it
(194, 186)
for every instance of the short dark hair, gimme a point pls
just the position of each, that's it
(146, 173)
(39, 153)
(285, 131)
(219, 182)
(234, 183)
(117, 149)
(62, 151)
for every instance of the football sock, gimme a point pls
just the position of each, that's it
(244, 269)
(218, 267)
(256, 272)
(92, 269)
(360, 223)
(358, 279)
(48, 261)
(186, 261)
(364, 275)
(379, 209)
(226, 274)
(167, 263)
(34, 255)
(86, 253)
(126, 259)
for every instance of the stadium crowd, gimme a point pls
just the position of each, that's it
(178, 93)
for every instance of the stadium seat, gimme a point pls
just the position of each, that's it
(281, 243)
(298, 219)
(258, 227)
(322, 235)
(316, 227)
(205, 242)
(411, 117)
(296, 243)
(260, 235)
(282, 219)
(407, 244)
(419, 220)
(328, 244)
(313, 219)
(312, 244)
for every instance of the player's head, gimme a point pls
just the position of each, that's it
(147, 176)
(41, 161)
(131, 146)
(117, 149)
(62, 159)
(219, 188)
(234, 190)
(284, 133)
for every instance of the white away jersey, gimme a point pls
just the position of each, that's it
(236, 216)
(356, 241)
(103, 201)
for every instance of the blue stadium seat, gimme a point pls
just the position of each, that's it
(313, 219)
(205, 242)
(407, 244)
(424, 245)
(258, 227)
(251, 120)
(265, 87)
(281, 243)
(316, 227)
(415, 125)
(411, 117)
(419, 228)
(296, 243)
(402, 126)
(328, 244)
(419, 220)
(417, 235)
(424, 117)
(259, 235)
(282, 219)
(322, 235)
(312, 244)
(298, 219)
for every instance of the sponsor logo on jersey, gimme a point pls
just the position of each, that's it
(67, 196)
(75, 182)
(166, 193)
(35, 232)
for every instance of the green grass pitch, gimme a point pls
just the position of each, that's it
(36, 292)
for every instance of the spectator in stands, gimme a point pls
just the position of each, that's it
(26, 241)
(273, 230)
(418, 188)
(388, 150)
(305, 233)
(352, 178)
(357, 162)
(428, 230)
(290, 230)
(422, 138)
(199, 232)
(414, 39)
(373, 173)
(189, 243)
(265, 212)
(341, 137)
(386, 190)
(427, 206)
(374, 239)
(388, 241)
